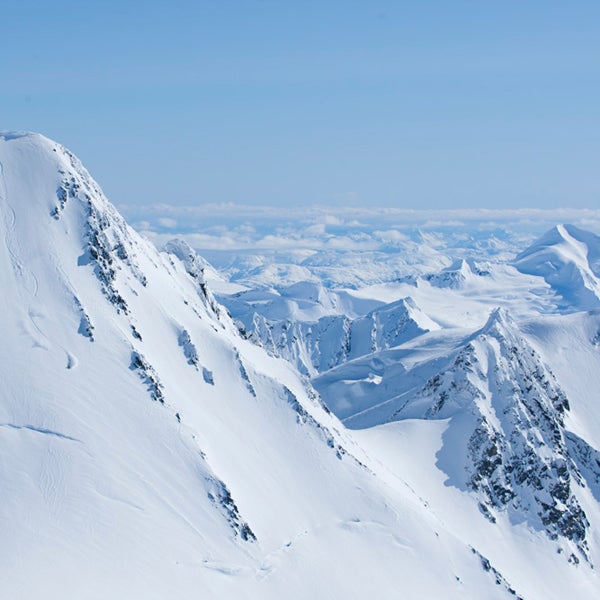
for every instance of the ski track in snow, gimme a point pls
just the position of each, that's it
(12, 243)
(28, 276)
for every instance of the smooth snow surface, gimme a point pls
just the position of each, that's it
(148, 450)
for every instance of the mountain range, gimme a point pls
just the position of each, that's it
(164, 436)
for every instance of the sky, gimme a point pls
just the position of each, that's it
(407, 105)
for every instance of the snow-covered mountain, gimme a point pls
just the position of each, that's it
(150, 451)
(506, 440)
(460, 273)
(510, 409)
(312, 327)
(568, 258)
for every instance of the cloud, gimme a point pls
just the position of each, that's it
(167, 222)
(347, 244)
(390, 236)
(142, 225)
(316, 229)
(332, 220)
(199, 241)
(352, 216)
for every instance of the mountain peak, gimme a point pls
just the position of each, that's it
(145, 438)
(461, 272)
(568, 258)
(499, 321)
(35, 167)
(8, 136)
(562, 241)
(131, 412)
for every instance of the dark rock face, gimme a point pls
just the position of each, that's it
(221, 496)
(110, 248)
(189, 349)
(148, 375)
(109, 245)
(498, 577)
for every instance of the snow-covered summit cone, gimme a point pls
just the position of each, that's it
(150, 452)
(398, 322)
(568, 258)
(309, 291)
(507, 416)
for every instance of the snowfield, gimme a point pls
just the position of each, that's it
(431, 436)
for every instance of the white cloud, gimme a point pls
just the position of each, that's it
(330, 219)
(390, 236)
(262, 241)
(230, 215)
(316, 229)
(167, 222)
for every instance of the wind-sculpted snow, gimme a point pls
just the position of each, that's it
(195, 267)
(194, 264)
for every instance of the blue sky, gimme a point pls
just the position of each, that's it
(393, 104)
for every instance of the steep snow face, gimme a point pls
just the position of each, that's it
(570, 344)
(149, 451)
(568, 258)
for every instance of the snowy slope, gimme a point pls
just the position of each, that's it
(148, 451)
